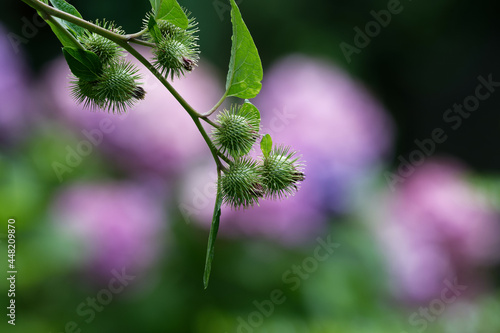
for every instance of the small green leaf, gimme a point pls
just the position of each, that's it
(266, 144)
(70, 9)
(82, 63)
(250, 110)
(153, 29)
(171, 11)
(245, 68)
(212, 236)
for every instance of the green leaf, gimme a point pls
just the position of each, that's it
(153, 29)
(245, 68)
(62, 34)
(70, 9)
(155, 4)
(212, 236)
(171, 11)
(251, 110)
(266, 144)
(82, 63)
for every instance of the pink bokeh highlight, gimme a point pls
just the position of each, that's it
(434, 227)
(116, 225)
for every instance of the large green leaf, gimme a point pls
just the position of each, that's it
(70, 9)
(211, 237)
(171, 11)
(82, 63)
(245, 68)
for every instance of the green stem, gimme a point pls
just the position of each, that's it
(42, 7)
(216, 106)
(207, 120)
(137, 34)
(160, 77)
(213, 150)
(142, 42)
(221, 155)
(194, 115)
(213, 234)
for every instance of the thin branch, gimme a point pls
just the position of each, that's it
(137, 34)
(213, 150)
(38, 5)
(222, 156)
(161, 78)
(142, 42)
(210, 122)
(194, 115)
(216, 106)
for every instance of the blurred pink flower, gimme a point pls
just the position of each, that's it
(14, 91)
(340, 130)
(117, 225)
(157, 134)
(433, 227)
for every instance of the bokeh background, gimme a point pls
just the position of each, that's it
(395, 229)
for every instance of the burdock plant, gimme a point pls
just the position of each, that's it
(103, 79)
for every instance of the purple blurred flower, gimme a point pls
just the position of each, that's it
(14, 91)
(118, 225)
(340, 129)
(434, 227)
(155, 135)
(342, 132)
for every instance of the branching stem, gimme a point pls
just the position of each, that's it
(216, 106)
(49, 12)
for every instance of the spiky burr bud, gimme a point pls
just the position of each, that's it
(115, 89)
(238, 129)
(281, 172)
(241, 184)
(176, 51)
(105, 49)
